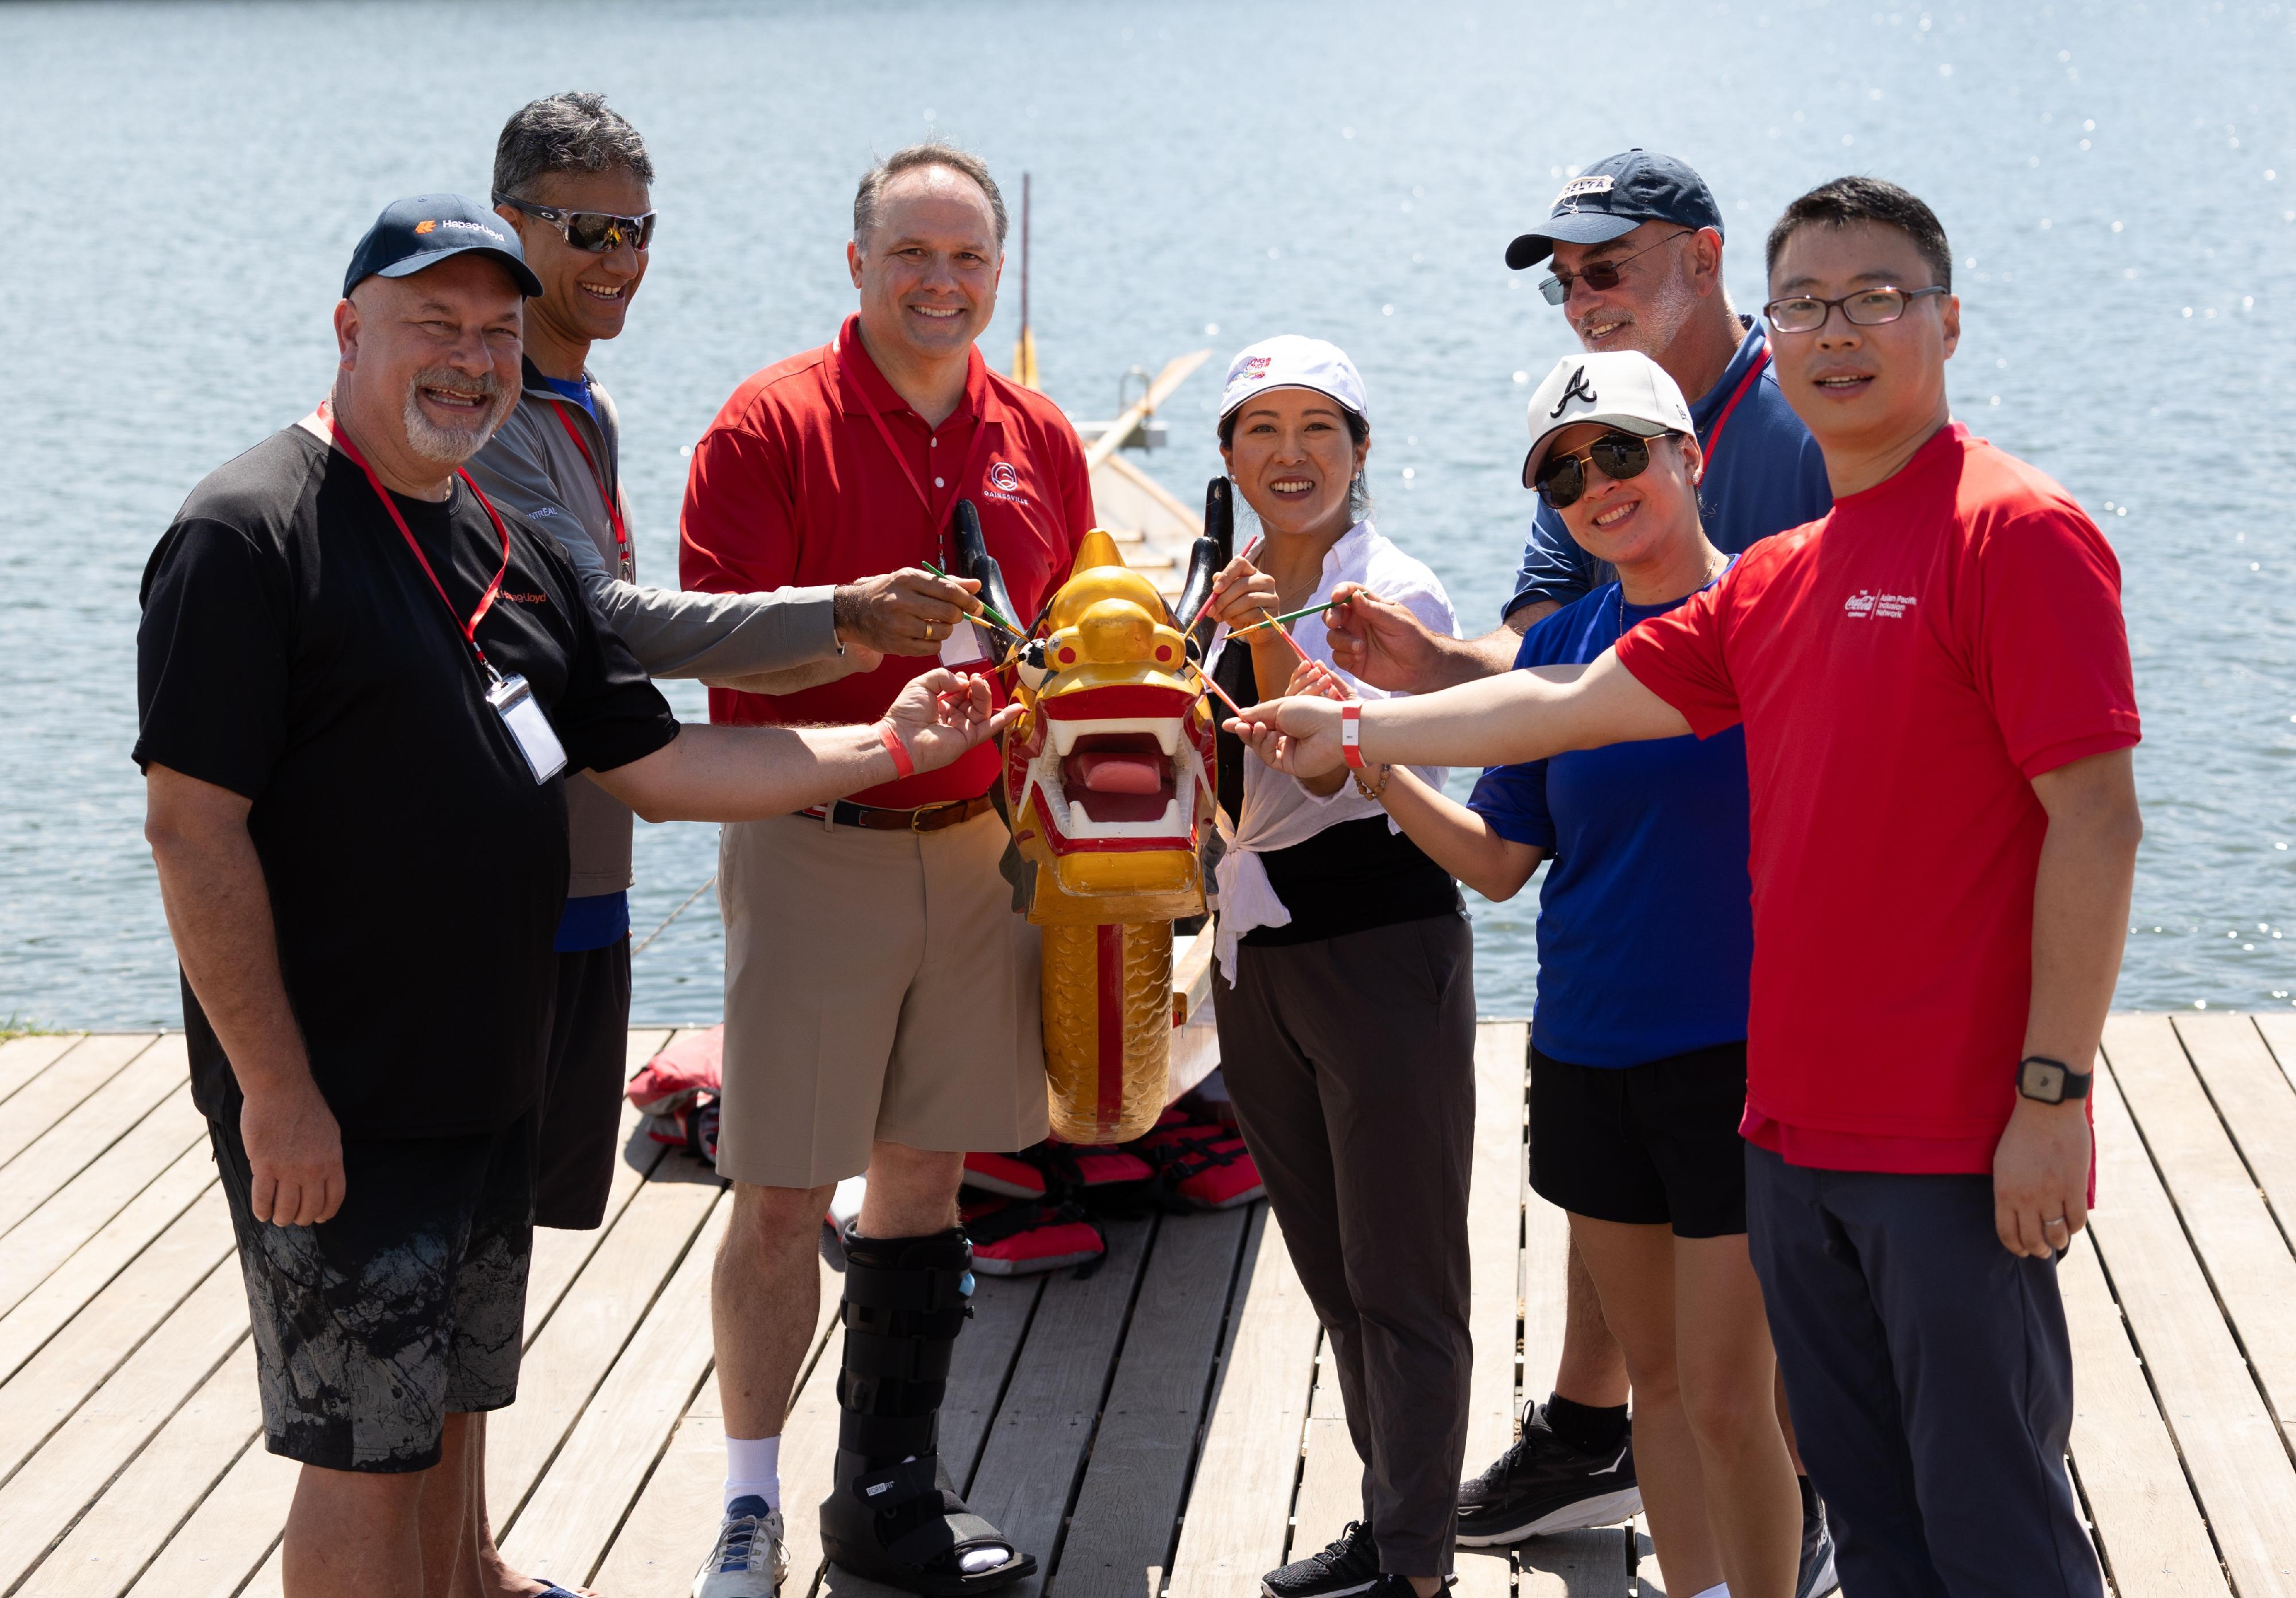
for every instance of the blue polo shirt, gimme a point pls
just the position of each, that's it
(1767, 476)
(1646, 923)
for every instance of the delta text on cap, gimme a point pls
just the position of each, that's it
(420, 232)
(1616, 195)
(1288, 361)
(1623, 388)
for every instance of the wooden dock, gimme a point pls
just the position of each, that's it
(1158, 1426)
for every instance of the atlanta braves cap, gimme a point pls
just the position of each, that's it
(1288, 361)
(411, 234)
(1616, 195)
(1623, 388)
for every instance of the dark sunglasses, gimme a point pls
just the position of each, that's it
(596, 232)
(1602, 276)
(1563, 478)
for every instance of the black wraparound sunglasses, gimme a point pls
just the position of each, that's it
(1563, 477)
(597, 232)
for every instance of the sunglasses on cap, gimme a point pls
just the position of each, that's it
(1602, 276)
(1563, 477)
(596, 232)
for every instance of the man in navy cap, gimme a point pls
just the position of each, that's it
(1634, 250)
(361, 683)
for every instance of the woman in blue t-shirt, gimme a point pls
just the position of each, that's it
(1645, 939)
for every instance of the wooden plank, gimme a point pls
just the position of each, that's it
(2240, 1247)
(162, 1485)
(81, 1208)
(671, 1525)
(559, 1256)
(2279, 1028)
(1121, 1538)
(1495, 1201)
(2147, 1524)
(49, 1386)
(1576, 1564)
(234, 1529)
(36, 1108)
(2253, 1096)
(2231, 1447)
(985, 1352)
(22, 1059)
(1330, 1472)
(73, 1143)
(70, 1468)
(1233, 1532)
(1035, 1452)
(561, 1534)
(62, 1292)
(601, 1311)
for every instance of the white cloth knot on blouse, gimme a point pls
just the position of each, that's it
(1277, 811)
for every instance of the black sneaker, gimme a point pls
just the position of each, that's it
(1350, 1565)
(1815, 1578)
(1542, 1484)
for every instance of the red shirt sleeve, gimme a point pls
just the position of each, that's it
(2048, 648)
(1680, 657)
(737, 532)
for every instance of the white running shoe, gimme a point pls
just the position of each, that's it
(750, 1559)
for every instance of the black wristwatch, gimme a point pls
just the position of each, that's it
(2050, 1081)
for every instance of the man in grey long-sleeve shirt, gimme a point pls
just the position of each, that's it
(573, 177)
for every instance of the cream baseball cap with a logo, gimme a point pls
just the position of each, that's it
(1622, 389)
(1288, 361)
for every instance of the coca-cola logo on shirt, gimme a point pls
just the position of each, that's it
(1865, 603)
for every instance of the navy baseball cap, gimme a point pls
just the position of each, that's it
(411, 234)
(1616, 195)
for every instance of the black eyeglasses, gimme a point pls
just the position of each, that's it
(1602, 276)
(1867, 307)
(596, 232)
(1563, 478)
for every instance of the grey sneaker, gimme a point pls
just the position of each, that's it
(750, 1559)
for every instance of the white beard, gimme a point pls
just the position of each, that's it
(452, 446)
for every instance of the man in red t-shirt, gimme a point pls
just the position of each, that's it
(1935, 687)
(881, 1004)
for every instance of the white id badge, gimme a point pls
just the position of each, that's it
(962, 647)
(537, 740)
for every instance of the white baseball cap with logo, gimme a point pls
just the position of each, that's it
(1288, 361)
(1622, 389)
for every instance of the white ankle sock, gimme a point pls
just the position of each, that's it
(753, 1468)
(1720, 1589)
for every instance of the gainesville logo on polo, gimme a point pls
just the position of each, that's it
(1004, 483)
(1865, 603)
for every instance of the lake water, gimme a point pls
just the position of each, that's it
(183, 184)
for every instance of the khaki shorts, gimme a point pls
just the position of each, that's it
(879, 986)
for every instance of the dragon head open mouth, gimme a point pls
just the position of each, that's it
(1110, 772)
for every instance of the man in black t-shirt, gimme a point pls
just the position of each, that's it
(360, 684)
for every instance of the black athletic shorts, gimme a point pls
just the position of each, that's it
(410, 1303)
(588, 1065)
(1645, 1146)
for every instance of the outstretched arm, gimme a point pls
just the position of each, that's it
(742, 774)
(1501, 721)
(1456, 838)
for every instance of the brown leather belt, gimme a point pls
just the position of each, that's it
(923, 818)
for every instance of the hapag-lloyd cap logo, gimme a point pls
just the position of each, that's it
(1002, 477)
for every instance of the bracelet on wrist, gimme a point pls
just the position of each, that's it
(903, 765)
(1369, 791)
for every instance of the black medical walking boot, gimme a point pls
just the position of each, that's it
(894, 1515)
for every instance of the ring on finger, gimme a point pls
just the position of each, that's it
(2054, 1221)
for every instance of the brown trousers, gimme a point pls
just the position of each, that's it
(1351, 1062)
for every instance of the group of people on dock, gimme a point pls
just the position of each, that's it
(1817, 708)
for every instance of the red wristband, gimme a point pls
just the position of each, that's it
(903, 766)
(1350, 733)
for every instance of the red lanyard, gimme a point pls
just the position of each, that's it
(1753, 375)
(613, 512)
(937, 519)
(469, 629)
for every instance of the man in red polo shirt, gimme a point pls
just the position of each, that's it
(1935, 687)
(881, 1004)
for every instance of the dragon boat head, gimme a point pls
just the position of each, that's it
(1110, 770)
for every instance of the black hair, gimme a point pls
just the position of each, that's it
(1358, 433)
(573, 132)
(1848, 199)
(931, 152)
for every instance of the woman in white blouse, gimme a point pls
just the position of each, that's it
(1347, 1016)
